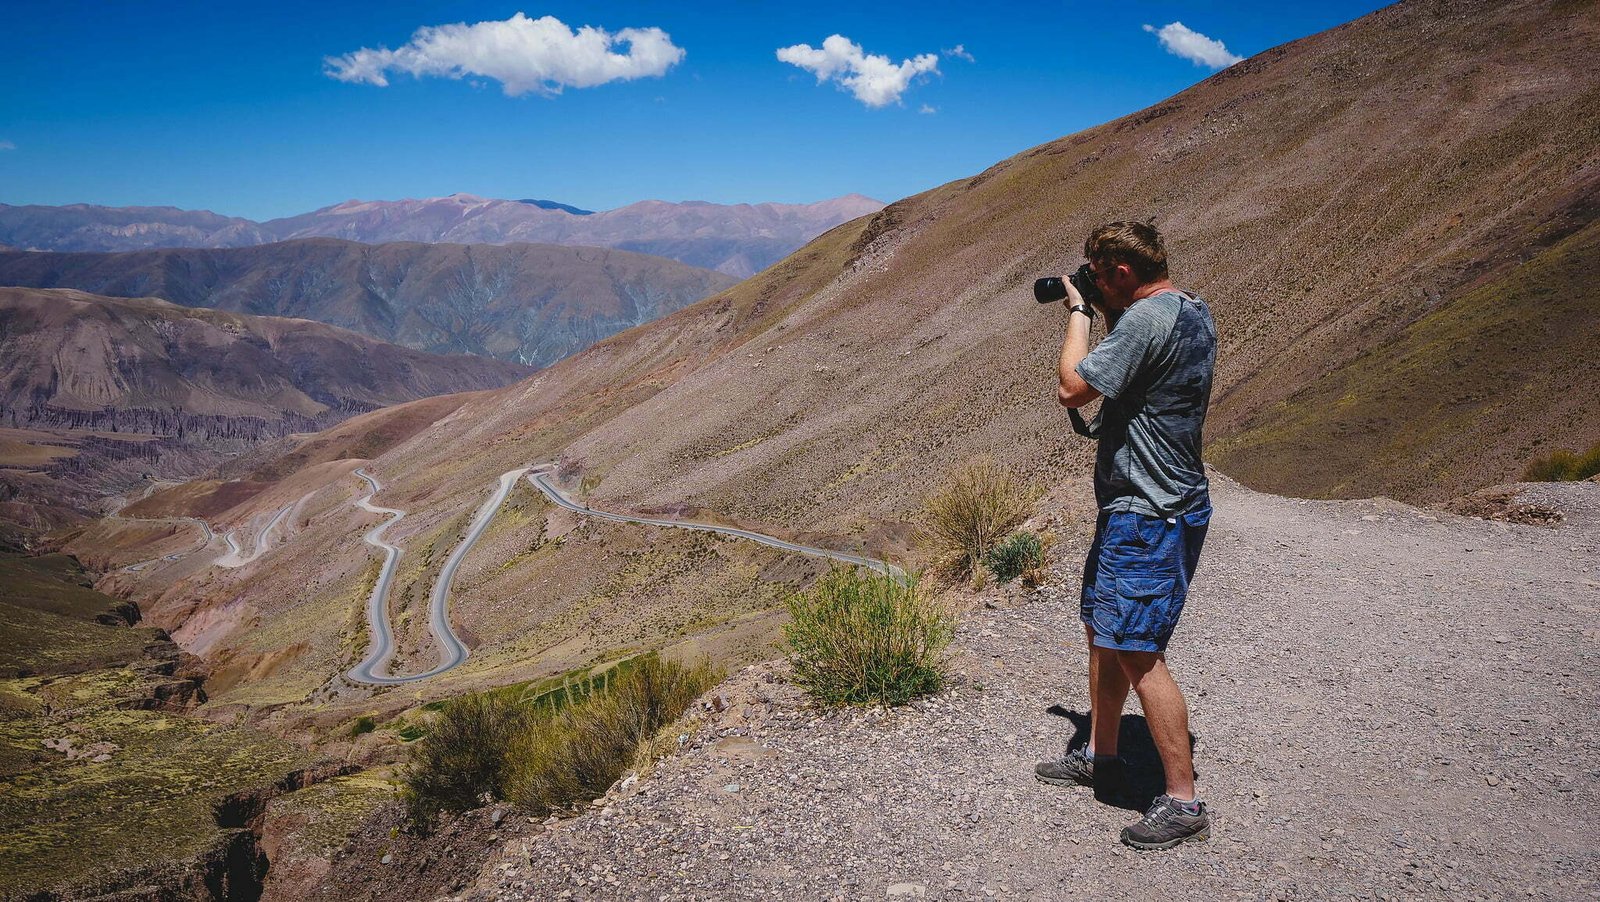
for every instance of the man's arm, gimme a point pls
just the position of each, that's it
(1073, 390)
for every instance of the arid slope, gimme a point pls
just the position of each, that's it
(1338, 199)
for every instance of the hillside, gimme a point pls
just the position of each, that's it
(99, 391)
(530, 304)
(1341, 236)
(1340, 753)
(738, 240)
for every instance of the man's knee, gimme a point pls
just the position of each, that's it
(1139, 666)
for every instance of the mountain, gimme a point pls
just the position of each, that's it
(1394, 224)
(737, 240)
(1404, 309)
(85, 227)
(553, 205)
(532, 304)
(96, 391)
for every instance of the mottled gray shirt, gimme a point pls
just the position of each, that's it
(1154, 369)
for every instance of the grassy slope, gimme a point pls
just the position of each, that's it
(1468, 393)
(48, 618)
(64, 820)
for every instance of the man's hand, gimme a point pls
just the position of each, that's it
(1073, 390)
(1073, 298)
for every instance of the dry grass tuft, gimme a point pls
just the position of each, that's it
(982, 504)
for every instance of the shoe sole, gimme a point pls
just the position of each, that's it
(1061, 781)
(1202, 836)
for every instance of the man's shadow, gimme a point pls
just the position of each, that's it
(1146, 779)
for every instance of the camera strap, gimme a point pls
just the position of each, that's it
(1079, 426)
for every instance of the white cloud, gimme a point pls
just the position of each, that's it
(7, 145)
(873, 80)
(1180, 40)
(928, 110)
(523, 54)
(959, 52)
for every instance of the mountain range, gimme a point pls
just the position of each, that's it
(1403, 309)
(1393, 222)
(531, 304)
(738, 239)
(96, 392)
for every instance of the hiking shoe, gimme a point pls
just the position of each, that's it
(1079, 769)
(1166, 825)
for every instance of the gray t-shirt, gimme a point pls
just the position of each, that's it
(1154, 369)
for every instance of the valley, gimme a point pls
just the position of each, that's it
(245, 536)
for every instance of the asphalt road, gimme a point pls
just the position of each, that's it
(453, 652)
(235, 556)
(206, 540)
(537, 476)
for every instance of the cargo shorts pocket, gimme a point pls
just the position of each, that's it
(1146, 607)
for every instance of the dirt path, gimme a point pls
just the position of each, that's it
(1389, 703)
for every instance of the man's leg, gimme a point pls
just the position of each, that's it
(1167, 715)
(1108, 693)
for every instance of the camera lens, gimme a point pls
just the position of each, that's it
(1049, 289)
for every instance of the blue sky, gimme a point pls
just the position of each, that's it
(231, 107)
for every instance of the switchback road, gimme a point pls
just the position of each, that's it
(452, 651)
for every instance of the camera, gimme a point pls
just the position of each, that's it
(1050, 289)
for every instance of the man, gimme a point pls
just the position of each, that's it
(1154, 371)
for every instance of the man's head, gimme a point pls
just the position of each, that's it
(1126, 257)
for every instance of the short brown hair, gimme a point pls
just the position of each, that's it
(1137, 244)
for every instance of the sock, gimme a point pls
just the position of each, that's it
(1190, 807)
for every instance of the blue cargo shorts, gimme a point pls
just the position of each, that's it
(1137, 577)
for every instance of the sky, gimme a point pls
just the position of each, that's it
(264, 110)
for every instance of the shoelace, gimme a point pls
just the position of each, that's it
(1160, 811)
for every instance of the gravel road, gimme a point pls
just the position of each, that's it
(1388, 703)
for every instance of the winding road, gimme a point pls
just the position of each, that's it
(537, 476)
(205, 529)
(453, 652)
(235, 556)
(372, 669)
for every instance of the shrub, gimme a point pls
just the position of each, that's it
(1021, 554)
(862, 638)
(461, 762)
(962, 521)
(577, 751)
(1564, 466)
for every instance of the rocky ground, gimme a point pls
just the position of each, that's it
(1388, 703)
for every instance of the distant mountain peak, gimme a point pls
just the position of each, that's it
(555, 205)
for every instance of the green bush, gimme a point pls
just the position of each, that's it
(577, 751)
(461, 763)
(1021, 554)
(1564, 466)
(863, 638)
(961, 522)
(543, 754)
(366, 723)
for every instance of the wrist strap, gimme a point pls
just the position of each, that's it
(1085, 309)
